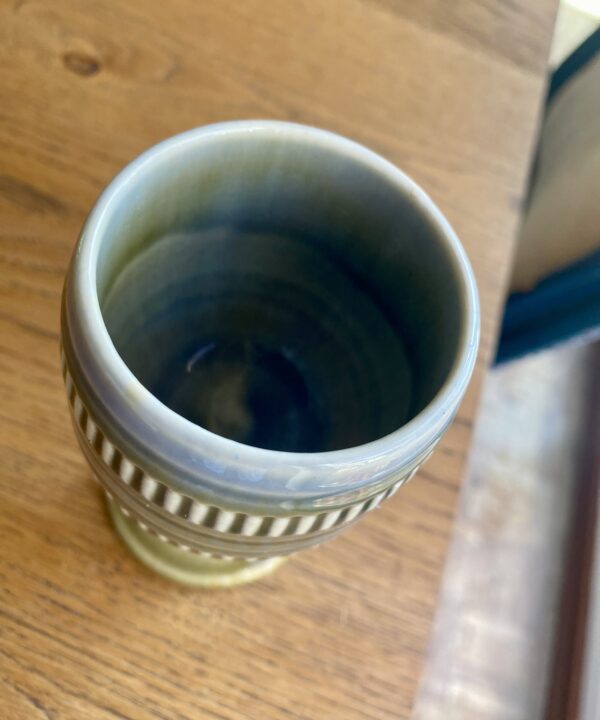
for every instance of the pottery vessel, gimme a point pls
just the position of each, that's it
(266, 328)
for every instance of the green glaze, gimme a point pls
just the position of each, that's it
(266, 329)
(183, 566)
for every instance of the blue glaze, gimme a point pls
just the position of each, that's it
(390, 247)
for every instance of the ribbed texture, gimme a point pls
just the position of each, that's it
(196, 513)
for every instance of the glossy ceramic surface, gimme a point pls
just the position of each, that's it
(266, 329)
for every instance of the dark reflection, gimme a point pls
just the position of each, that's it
(265, 339)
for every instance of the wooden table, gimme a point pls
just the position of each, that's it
(451, 93)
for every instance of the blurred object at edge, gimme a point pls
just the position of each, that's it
(556, 278)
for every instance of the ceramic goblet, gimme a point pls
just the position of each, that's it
(266, 328)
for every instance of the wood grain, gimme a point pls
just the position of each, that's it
(451, 97)
(573, 687)
(518, 545)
